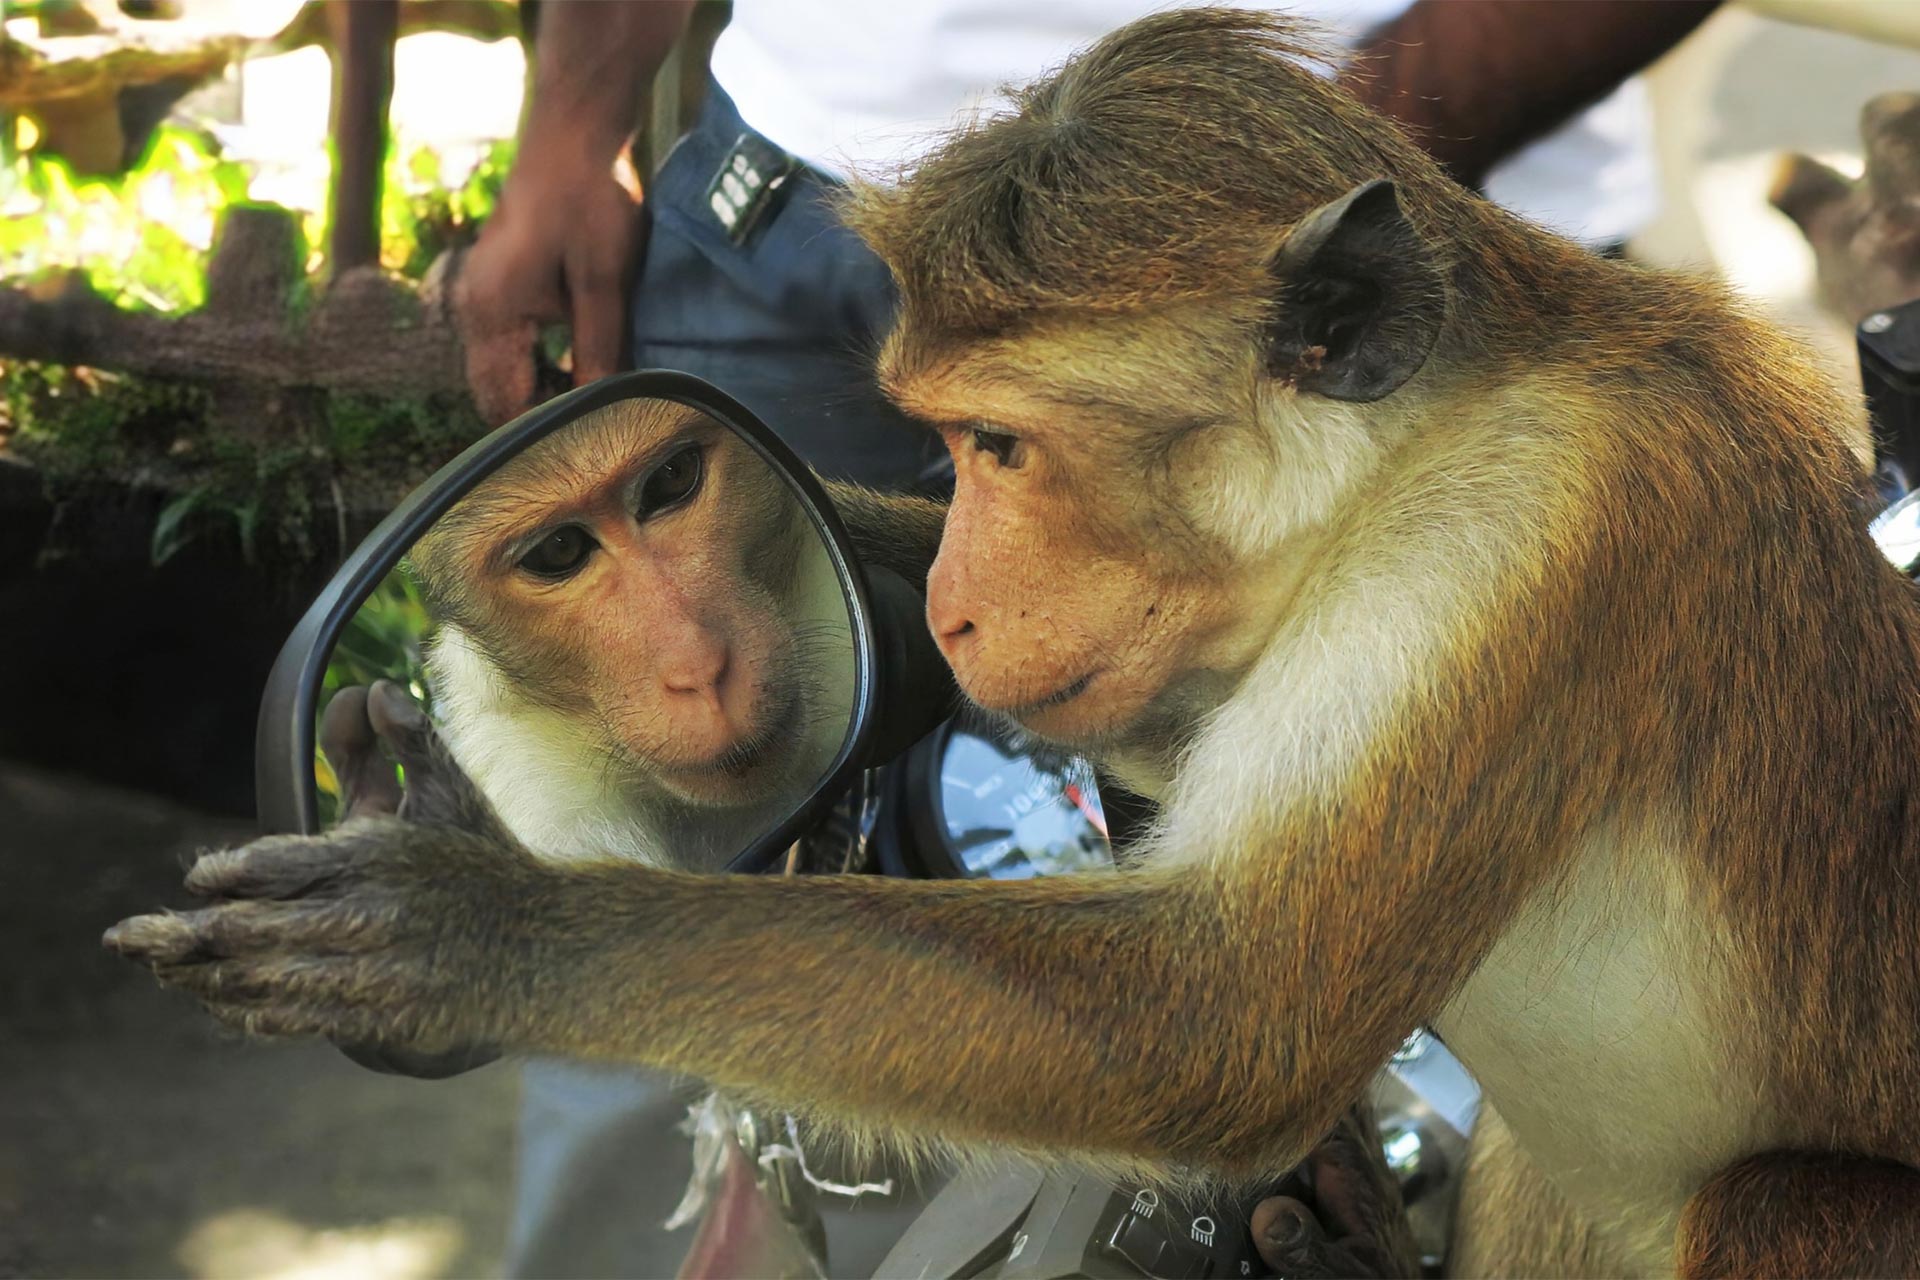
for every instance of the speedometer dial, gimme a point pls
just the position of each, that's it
(1009, 810)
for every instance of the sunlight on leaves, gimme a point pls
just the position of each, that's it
(142, 240)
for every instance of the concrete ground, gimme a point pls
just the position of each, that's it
(137, 1139)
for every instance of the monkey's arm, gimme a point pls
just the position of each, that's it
(1218, 1012)
(894, 531)
(1804, 1213)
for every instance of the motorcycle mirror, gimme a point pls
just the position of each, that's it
(638, 575)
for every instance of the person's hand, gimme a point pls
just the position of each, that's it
(562, 246)
(1351, 1224)
(1865, 232)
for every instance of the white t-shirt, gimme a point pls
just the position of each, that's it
(862, 85)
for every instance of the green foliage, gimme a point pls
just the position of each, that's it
(235, 487)
(95, 416)
(141, 239)
(385, 640)
(420, 217)
(81, 425)
(398, 437)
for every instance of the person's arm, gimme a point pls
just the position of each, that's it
(1476, 80)
(566, 237)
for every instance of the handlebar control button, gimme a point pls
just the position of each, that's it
(1145, 1245)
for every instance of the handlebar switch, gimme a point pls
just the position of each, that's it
(1889, 343)
(1149, 1248)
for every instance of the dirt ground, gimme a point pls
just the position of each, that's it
(136, 1139)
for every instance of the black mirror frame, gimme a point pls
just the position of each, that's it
(284, 787)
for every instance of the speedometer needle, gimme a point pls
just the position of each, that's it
(1097, 819)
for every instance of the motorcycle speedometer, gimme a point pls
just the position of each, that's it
(989, 802)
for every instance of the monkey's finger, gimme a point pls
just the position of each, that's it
(264, 980)
(163, 938)
(438, 792)
(174, 939)
(1289, 1237)
(286, 1018)
(368, 782)
(277, 867)
(342, 1019)
(1347, 1198)
(402, 724)
(246, 928)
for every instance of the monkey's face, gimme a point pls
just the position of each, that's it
(633, 579)
(1141, 489)
(1088, 584)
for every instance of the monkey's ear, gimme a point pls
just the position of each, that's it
(1359, 299)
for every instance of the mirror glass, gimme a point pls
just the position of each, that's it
(631, 636)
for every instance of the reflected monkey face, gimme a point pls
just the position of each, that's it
(632, 571)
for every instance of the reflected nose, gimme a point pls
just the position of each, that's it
(696, 669)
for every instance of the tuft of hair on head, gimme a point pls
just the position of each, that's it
(1160, 165)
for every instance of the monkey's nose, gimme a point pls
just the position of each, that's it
(697, 671)
(949, 626)
(951, 604)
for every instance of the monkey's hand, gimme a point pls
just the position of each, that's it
(1352, 1224)
(358, 723)
(401, 930)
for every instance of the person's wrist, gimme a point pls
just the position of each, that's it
(576, 144)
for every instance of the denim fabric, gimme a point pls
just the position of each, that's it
(787, 322)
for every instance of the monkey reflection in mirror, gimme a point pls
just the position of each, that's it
(643, 648)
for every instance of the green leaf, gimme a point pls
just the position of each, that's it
(423, 166)
(246, 515)
(172, 530)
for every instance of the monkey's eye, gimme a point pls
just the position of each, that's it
(672, 482)
(1006, 449)
(559, 553)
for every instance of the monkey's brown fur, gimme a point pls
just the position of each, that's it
(1555, 695)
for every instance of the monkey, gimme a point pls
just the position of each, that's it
(1495, 625)
(641, 648)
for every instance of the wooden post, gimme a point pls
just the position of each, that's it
(360, 38)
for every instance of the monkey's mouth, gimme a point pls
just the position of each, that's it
(1059, 697)
(745, 756)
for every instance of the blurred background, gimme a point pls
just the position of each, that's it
(176, 479)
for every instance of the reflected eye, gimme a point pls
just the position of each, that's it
(671, 483)
(559, 553)
(1006, 449)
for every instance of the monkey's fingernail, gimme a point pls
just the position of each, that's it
(396, 706)
(1286, 1230)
